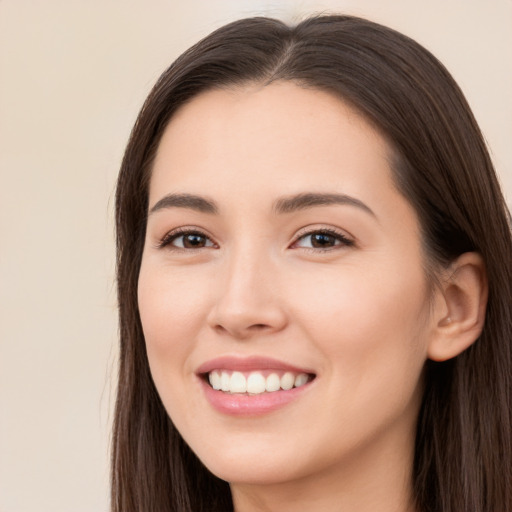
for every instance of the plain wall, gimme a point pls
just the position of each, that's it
(73, 75)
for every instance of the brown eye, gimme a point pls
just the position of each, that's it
(193, 241)
(323, 240)
(187, 240)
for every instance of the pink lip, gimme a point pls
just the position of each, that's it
(249, 405)
(246, 364)
(246, 405)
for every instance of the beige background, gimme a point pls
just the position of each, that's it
(73, 75)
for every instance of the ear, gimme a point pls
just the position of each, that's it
(460, 307)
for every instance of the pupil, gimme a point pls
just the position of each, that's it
(322, 240)
(194, 241)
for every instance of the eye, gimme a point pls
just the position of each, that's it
(323, 239)
(186, 239)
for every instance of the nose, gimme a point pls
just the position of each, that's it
(248, 300)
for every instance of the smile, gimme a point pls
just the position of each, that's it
(256, 382)
(252, 386)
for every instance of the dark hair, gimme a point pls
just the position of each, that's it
(463, 447)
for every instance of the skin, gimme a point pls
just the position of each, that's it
(361, 316)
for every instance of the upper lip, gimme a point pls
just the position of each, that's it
(237, 363)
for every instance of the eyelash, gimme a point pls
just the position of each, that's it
(170, 237)
(337, 235)
(178, 233)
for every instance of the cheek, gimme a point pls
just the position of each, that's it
(366, 321)
(170, 303)
(372, 335)
(170, 306)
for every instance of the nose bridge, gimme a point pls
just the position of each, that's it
(245, 267)
(246, 301)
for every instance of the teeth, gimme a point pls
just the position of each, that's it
(300, 380)
(238, 383)
(287, 380)
(224, 381)
(255, 383)
(215, 380)
(273, 383)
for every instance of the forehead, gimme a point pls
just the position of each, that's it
(280, 131)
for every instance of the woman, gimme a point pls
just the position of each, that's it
(314, 271)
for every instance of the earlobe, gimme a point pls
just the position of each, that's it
(461, 317)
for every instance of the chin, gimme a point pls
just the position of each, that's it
(253, 472)
(251, 462)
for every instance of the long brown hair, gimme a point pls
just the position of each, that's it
(463, 445)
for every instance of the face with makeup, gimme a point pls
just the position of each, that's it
(282, 266)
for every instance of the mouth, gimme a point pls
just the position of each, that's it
(255, 382)
(253, 385)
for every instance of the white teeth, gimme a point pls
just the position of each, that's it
(255, 383)
(287, 381)
(300, 380)
(215, 380)
(224, 381)
(273, 383)
(237, 383)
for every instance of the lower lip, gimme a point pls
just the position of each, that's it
(250, 405)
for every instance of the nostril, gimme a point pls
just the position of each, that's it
(258, 327)
(241, 332)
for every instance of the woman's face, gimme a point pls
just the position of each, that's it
(279, 253)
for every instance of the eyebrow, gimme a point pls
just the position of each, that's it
(281, 206)
(310, 200)
(190, 201)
